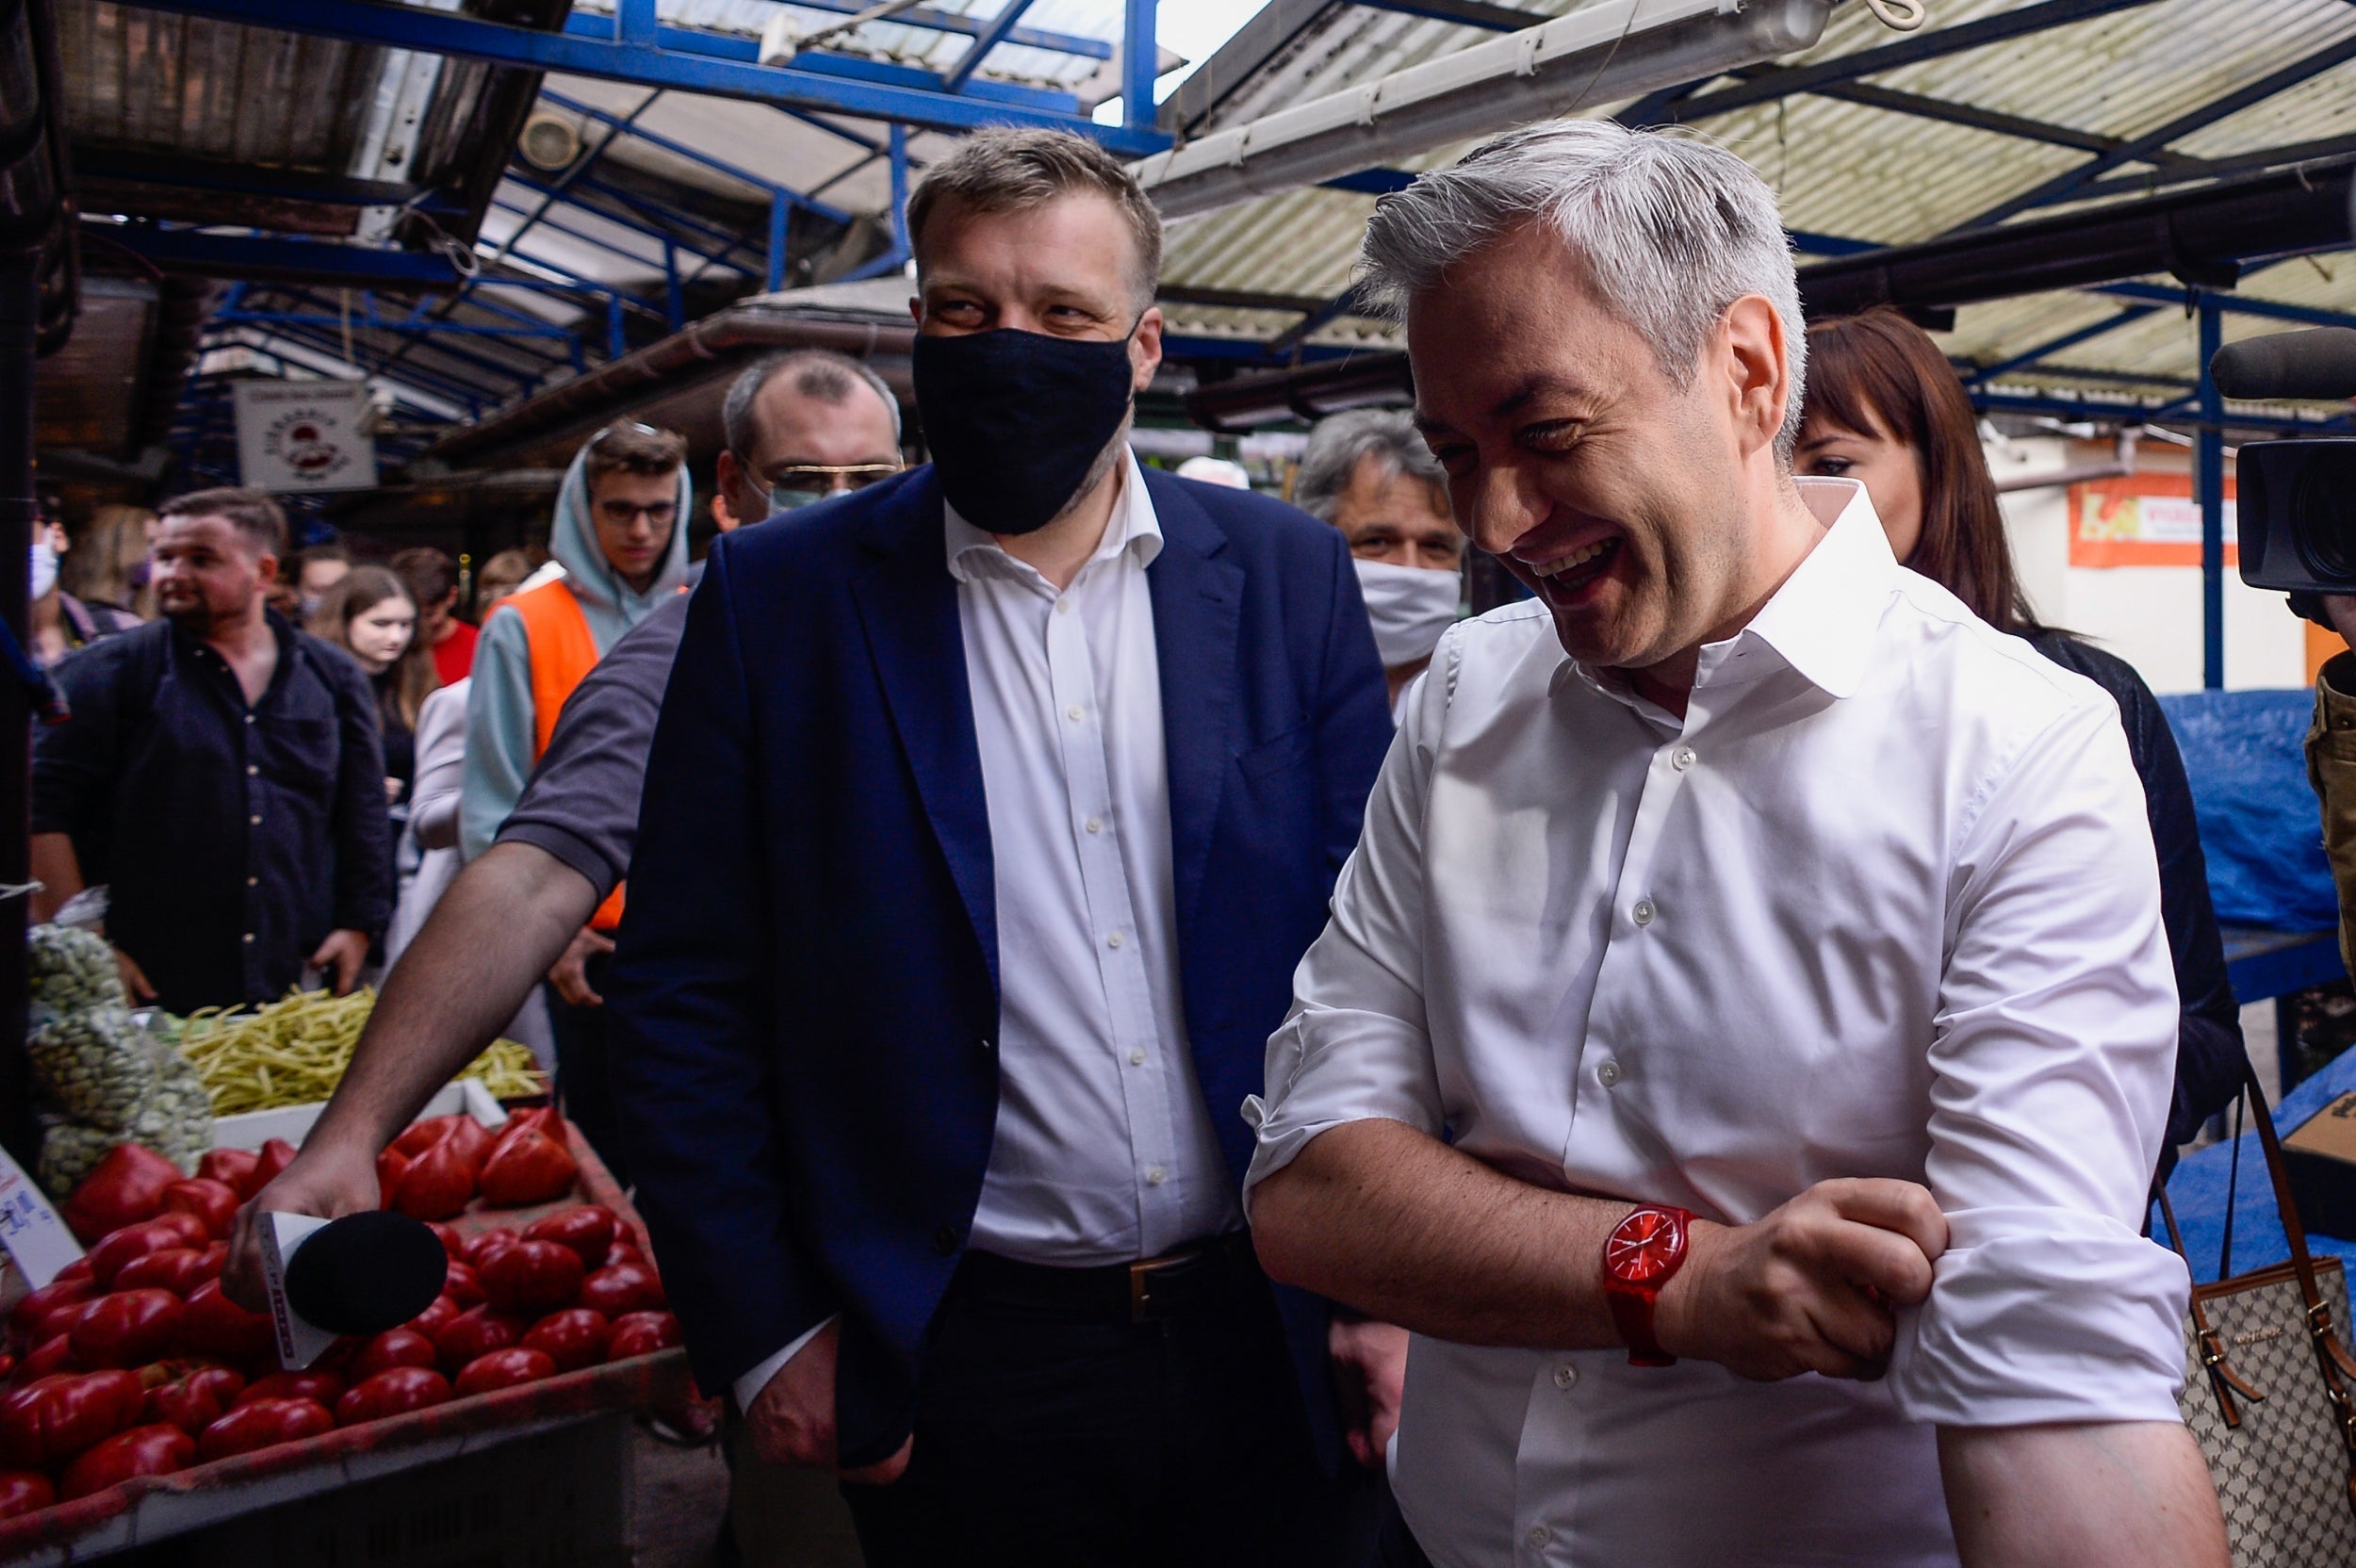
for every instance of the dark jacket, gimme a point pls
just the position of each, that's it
(2209, 1049)
(804, 999)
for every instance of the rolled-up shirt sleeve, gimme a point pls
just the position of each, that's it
(2052, 1062)
(1355, 1046)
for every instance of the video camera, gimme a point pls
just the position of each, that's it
(2298, 496)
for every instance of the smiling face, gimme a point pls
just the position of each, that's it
(380, 633)
(1632, 506)
(1396, 518)
(207, 572)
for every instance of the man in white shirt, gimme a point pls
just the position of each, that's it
(1746, 878)
(990, 809)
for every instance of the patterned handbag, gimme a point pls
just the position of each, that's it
(2266, 1390)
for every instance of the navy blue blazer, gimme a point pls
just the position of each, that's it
(805, 995)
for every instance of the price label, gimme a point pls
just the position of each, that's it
(29, 1227)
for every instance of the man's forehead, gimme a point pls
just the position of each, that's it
(1077, 242)
(791, 423)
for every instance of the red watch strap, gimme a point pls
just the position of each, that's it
(1631, 1313)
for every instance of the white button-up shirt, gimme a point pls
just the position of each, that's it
(1104, 1151)
(1883, 903)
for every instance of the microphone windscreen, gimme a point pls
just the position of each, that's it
(366, 1273)
(2319, 361)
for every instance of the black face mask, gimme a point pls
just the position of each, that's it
(1016, 421)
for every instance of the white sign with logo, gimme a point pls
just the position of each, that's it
(302, 435)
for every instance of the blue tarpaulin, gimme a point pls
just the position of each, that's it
(2260, 827)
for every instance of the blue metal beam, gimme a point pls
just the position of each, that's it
(668, 65)
(2061, 186)
(1371, 181)
(993, 33)
(898, 256)
(625, 221)
(950, 22)
(1140, 62)
(2232, 304)
(695, 156)
(2066, 340)
(2095, 409)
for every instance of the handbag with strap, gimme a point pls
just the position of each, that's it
(2266, 1390)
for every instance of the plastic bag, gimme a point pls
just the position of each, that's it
(2260, 827)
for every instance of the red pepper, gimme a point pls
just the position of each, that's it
(48, 1422)
(391, 1348)
(623, 1252)
(128, 1329)
(24, 1491)
(532, 1277)
(573, 1338)
(623, 1287)
(310, 1384)
(213, 1325)
(476, 1332)
(194, 1399)
(46, 1359)
(152, 1451)
(418, 1136)
(478, 1247)
(60, 1320)
(191, 1230)
(462, 1285)
(530, 1162)
(233, 1168)
(177, 1269)
(210, 1263)
(8, 1366)
(503, 1369)
(119, 1248)
(395, 1392)
(124, 1189)
(640, 1333)
(27, 1314)
(430, 1321)
(452, 1243)
(213, 1202)
(437, 1184)
(587, 1229)
(264, 1423)
(391, 1166)
(276, 1155)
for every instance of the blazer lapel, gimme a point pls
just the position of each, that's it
(908, 603)
(1198, 599)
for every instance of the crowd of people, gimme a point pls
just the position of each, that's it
(1143, 1034)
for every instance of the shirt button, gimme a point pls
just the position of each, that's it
(252, 881)
(1565, 1376)
(251, 769)
(1681, 758)
(1608, 1074)
(1074, 712)
(1136, 1058)
(1113, 941)
(1095, 824)
(987, 1043)
(1539, 1535)
(1063, 607)
(249, 936)
(255, 818)
(1643, 913)
(249, 718)
(1156, 1176)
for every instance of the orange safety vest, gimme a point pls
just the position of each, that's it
(563, 652)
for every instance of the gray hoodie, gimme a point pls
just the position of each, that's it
(500, 717)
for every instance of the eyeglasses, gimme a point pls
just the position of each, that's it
(804, 483)
(622, 514)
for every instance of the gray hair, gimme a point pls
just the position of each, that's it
(819, 373)
(1671, 230)
(1340, 441)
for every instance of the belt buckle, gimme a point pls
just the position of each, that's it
(1141, 1279)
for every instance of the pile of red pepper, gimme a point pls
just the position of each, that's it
(133, 1363)
(437, 1167)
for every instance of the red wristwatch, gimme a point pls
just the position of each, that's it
(1640, 1257)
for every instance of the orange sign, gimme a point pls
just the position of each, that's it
(2141, 520)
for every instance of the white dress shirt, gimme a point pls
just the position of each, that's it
(1103, 1150)
(1883, 904)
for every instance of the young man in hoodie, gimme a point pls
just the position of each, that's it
(620, 536)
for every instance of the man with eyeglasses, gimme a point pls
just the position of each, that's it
(619, 537)
(800, 430)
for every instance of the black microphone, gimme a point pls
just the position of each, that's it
(2319, 361)
(366, 1273)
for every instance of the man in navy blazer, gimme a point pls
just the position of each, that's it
(990, 811)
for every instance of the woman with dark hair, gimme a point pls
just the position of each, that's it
(1884, 407)
(371, 616)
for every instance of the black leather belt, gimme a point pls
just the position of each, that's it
(1185, 1280)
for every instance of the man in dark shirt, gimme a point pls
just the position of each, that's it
(221, 775)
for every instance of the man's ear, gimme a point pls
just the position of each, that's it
(724, 476)
(1758, 379)
(1145, 349)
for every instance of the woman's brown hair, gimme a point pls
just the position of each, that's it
(1879, 374)
(412, 678)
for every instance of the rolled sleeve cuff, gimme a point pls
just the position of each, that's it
(1324, 1071)
(571, 848)
(2038, 1317)
(747, 1388)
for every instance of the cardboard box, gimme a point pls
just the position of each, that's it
(2320, 1154)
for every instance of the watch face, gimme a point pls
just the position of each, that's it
(1646, 1246)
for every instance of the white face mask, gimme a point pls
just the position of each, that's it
(1410, 607)
(44, 568)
